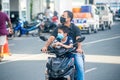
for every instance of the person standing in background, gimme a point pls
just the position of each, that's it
(48, 13)
(3, 30)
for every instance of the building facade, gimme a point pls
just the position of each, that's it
(114, 4)
(27, 9)
(5, 6)
(16, 8)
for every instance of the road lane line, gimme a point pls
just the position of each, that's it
(103, 59)
(89, 70)
(19, 57)
(45, 57)
(101, 40)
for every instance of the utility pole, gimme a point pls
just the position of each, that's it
(91, 1)
(47, 3)
(86, 1)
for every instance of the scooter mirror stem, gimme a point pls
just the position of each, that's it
(43, 38)
(81, 39)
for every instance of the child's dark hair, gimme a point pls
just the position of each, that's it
(64, 28)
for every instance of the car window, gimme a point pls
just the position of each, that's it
(98, 8)
(101, 8)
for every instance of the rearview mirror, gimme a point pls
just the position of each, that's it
(43, 38)
(81, 39)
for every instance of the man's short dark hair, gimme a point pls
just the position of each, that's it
(70, 14)
(0, 7)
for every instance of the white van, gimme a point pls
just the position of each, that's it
(106, 16)
(87, 19)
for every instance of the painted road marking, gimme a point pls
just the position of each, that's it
(89, 58)
(103, 59)
(20, 57)
(101, 40)
(89, 70)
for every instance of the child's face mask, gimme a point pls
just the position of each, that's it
(60, 36)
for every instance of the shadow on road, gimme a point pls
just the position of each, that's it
(23, 70)
(102, 71)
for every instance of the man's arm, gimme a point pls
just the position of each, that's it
(49, 41)
(78, 34)
(79, 49)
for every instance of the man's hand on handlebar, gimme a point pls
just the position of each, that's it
(79, 51)
(44, 49)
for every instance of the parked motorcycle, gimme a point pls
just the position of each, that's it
(61, 67)
(48, 24)
(22, 28)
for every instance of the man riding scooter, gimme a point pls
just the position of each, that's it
(75, 34)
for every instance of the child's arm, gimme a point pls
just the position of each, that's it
(54, 45)
(62, 45)
(67, 46)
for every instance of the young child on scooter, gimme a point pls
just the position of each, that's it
(63, 39)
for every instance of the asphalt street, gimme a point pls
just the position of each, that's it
(102, 57)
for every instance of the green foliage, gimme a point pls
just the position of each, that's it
(31, 8)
